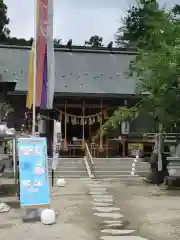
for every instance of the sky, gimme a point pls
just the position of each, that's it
(73, 19)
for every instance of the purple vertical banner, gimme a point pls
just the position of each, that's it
(44, 82)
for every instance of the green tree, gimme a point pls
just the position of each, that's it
(139, 23)
(57, 42)
(18, 41)
(176, 10)
(95, 41)
(4, 21)
(157, 70)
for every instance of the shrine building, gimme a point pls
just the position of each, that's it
(89, 85)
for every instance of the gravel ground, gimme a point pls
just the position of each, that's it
(74, 216)
(153, 211)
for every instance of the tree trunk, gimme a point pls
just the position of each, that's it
(158, 169)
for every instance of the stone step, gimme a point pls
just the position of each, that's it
(124, 177)
(120, 167)
(67, 171)
(59, 168)
(67, 160)
(119, 162)
(120, 171)
(69, 177)
(116, 159)
(118, 174)
(116, 171)
(68, 163)
(58, 174)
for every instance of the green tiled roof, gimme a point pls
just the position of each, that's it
(76, 71)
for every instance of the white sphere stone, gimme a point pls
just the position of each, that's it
(48, 217)
(61, 182)
(135, 160)
(137, 156)
(133, 169)
(132, 173)
(133, 165)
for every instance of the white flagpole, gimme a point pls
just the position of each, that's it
(34, 79)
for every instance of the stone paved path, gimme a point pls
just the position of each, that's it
(110, 217)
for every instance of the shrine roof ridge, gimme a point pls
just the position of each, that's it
(81, 49)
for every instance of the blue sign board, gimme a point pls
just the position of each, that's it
(33, 170)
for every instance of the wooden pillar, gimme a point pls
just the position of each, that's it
(89, 130)
(83, 116)
(101, 133)
(65, 127)
(125, 142)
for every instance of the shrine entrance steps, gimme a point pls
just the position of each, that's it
(119, 168)
(69, 168)
(103, 168)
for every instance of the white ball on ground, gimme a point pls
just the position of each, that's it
(137, 156)
(48, 217)
(135, 160)
(60, 182)
(133, 169)
(132, 173)
(133, 165)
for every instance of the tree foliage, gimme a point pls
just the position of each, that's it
(95, 41)
(158, 70)
(156, 67)
(57, 42)
(4, 21)
(140, 23)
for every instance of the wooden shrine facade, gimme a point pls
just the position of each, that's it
(83, 117)
(89, 85)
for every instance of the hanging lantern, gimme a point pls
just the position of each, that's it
(125, 127)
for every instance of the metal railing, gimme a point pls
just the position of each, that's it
(88, 160)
